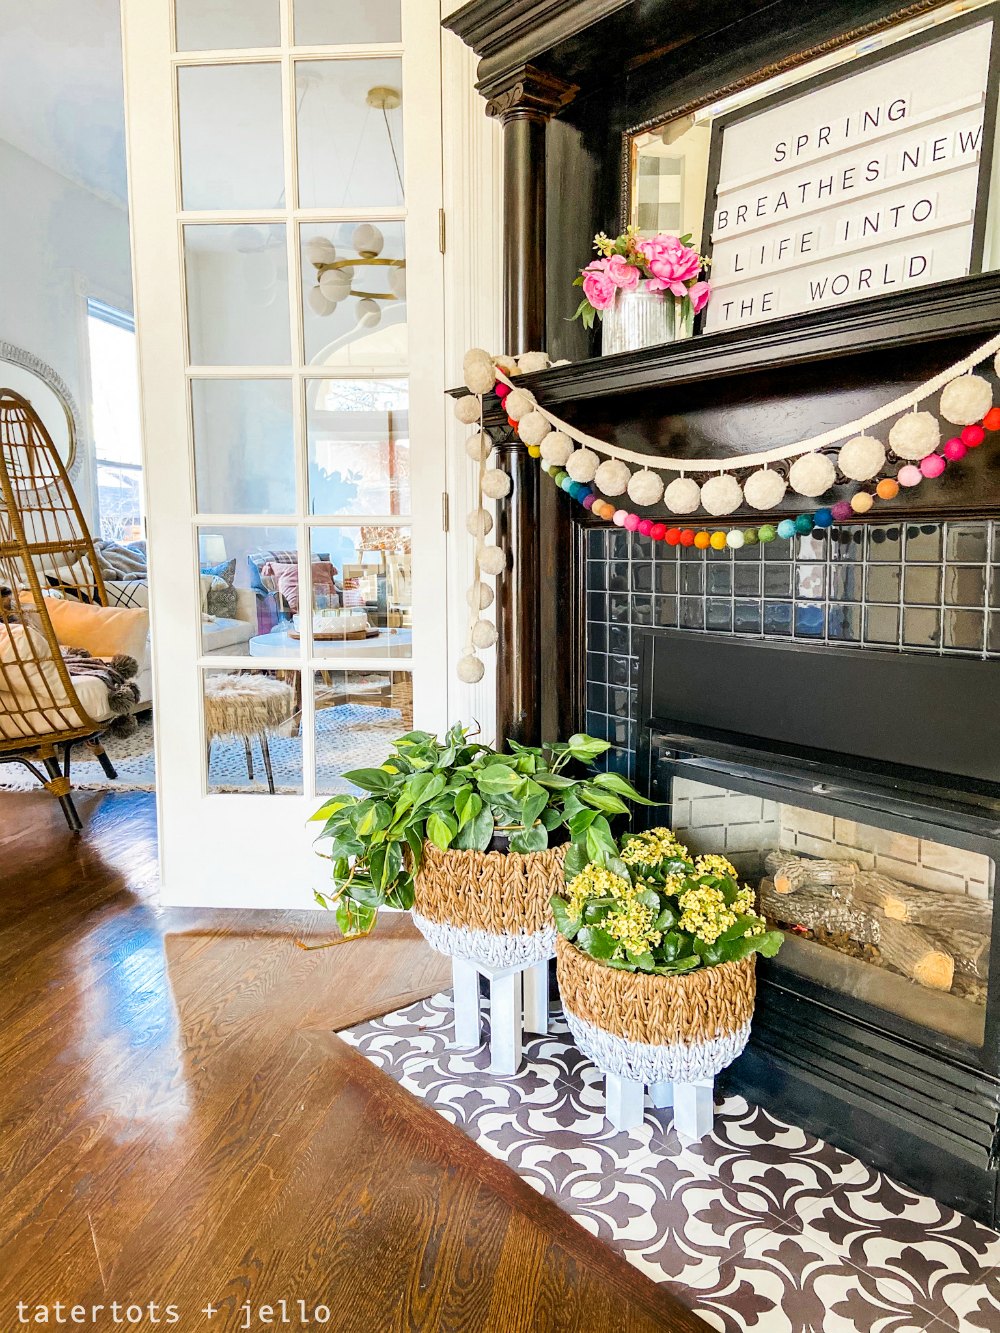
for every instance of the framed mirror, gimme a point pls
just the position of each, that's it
(901, 183)
(48, 394)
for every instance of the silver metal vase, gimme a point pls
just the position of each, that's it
(643, 318)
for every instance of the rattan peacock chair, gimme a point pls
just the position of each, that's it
(46, 551)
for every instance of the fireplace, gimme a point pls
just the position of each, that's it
(873, 846)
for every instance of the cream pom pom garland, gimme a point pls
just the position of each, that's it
(518, 403)
(582, 465)
(722, 495)
(495, 484)
(862, 458)
(479, 371)
(556, 448)
(612, 477)
(764, 489)
(812, 475)
(479, 447)
(645, 488)
(915, 436)
(966, 400)
(533, 428)
(682, 496)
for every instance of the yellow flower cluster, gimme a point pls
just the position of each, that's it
(705, 914)
(594, 882)
(715, 865)
(652, 846)
(631, 924)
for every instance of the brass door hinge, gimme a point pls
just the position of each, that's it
(441, 230)
(445, 512)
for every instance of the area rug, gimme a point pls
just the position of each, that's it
(759, 1226)
(347, 736)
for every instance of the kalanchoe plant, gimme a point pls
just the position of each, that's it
(460, 794)
(652, 908)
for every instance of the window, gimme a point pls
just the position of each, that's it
(114, 389)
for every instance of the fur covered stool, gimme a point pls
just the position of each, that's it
(247, 706)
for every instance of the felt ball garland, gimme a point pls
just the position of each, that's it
(915, 439)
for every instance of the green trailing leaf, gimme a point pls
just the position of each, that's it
(371, 779)
(606, 801)
(576, 860)
(587, 748)
(441, 829)
(534, 839)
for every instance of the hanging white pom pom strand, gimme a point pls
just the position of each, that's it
(484, 634)
(467, 409)
(479, 523)
(645, 488)
(862, 458)
(812, 475)
(479, 447)
(612, 477)
(518, 403)
(496, 484)
(682, 496)
(582, 465)
(470, 669)
(492, 560)
(530, 362)
(479, 596)
(556, 448)
(764, 489)
(721, 495)
(966, 400)
(915, 436)
(532, 428)
(478, 370)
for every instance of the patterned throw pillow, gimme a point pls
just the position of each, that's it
(222, 596)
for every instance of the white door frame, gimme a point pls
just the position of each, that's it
(248, 850)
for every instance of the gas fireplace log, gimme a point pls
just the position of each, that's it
(815, 907)
(792, 873)
(970, 949)
(915, 954)
(933, 908)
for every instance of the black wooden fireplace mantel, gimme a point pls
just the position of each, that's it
(567, 79)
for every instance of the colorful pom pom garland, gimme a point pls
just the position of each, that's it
(915, 439)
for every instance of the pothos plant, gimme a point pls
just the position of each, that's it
(655, 908)
(458, 793)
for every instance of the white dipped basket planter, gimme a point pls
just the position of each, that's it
(489, 908)
(650, 1029)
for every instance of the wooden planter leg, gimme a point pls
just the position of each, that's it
(694, 1108)
(505, 1022)
(662, 1095)
(468, 1024)
(536, 998)
(625, 1101)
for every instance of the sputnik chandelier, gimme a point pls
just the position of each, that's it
(337, 277)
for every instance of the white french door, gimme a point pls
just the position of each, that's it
(285, 182)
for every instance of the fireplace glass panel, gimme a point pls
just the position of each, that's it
(900, 921)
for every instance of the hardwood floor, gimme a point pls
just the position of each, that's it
(179, 1125)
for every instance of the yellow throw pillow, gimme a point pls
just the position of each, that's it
(102, 630)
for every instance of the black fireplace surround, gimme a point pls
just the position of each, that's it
(899, 742)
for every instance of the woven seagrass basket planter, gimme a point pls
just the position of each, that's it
(654, 1029)
(488, 907)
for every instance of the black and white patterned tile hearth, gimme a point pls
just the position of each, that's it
(759, 1226)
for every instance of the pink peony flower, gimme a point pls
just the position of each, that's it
(598, 287)
(622, 273)
(699, 294)
(671, 265)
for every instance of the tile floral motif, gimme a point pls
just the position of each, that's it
(758, 1226)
